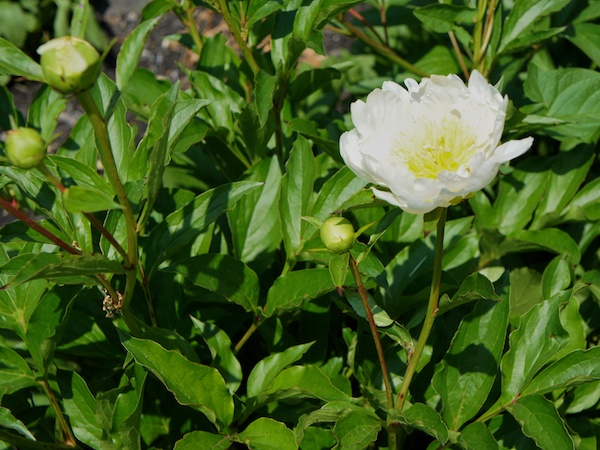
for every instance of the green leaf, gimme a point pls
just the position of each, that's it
(224, 360)
(264, 91)
(47, 105)
(203, 440)
(524, 186)
(568, 172)
(338, 269)
(465, 376)
(35, 186)
(442, 18)
(15, 62)
(80, 406)
(47, 322)
(32, 266)
(551, 239)
(540, 421)
(538, 338)
(291, 290)
(195, 385)
(127, 413)
(474, 287)
(87, 200)
(568, 96)
(424, 418)
(259, 9)
(267, 369)
(586, 36)
(575, 368)
(305, 381)
(224, 275)
(15, 373)
(82, 174)
(476, 436)
(335, 192)
(254, 221)
(523, 17)
(296, 191)
(525, 292)
(179, 228)
(152, 153)
(356, 430)
(7, 420)
(265, 434)
(382, 319)
(131, 52)
(556, 277)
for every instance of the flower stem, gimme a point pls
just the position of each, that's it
(384, 50)
(249, 332)
(100, 127)
(238, 37)
(190, 23)
(69, 437)
(432, 308)
(392, 431)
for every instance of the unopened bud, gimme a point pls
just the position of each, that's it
(25, 147)
(70, 64)
(337, 234)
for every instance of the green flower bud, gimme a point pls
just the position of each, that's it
(337, 234)
(25, 147)
(70, 64)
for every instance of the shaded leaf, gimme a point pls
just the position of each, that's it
(465, 376)
(224, 275)
(224, 360)
(540, 421)
(267, 369)
(195, 385)
(266, 433)
(182, 226)
(203, 440)
(578, 367)
(291, 290)
(31, 266)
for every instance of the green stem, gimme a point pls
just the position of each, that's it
(384, 50)
(249, 332)
(190, 22)
(100, 127)
(25, 443)
(432, 308)
(238, 37)
(478, 32)
(70, 438)
(392, 433)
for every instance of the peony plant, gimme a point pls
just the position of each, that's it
(180, 269)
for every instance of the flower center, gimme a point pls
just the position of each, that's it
(437, 146)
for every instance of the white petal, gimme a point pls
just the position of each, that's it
(512, 149)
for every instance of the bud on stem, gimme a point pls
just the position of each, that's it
(70, 64)
(25, 147)
(338, 234)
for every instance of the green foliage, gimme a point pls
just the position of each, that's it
(232, 324)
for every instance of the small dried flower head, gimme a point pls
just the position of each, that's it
(432, 144)
(70, 64)
(338, 234)
(25, 147)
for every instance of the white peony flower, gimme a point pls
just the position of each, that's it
(431, 145)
